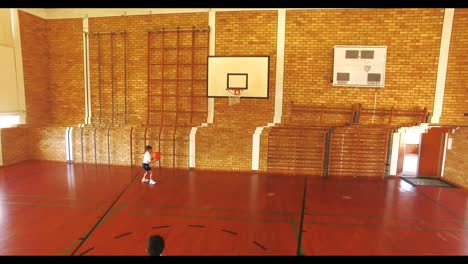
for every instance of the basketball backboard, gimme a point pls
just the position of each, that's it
(249, 75)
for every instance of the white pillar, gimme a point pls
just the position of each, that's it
(280, 39)
(210, 110)
(442, 67)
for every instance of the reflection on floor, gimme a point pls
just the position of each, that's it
(410, 165)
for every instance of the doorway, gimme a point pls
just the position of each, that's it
(411, 150)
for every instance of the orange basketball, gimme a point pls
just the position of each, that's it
(156, 155)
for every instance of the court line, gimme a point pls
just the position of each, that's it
(198, 226)
(295, 231)
(416, 227)
(53, 205)
(54, 197)
(69, 247)
(158, 227)
(259, 245)
(99, 222)
(229, 231)
(442, 206)
(89, 231)
(301, 225)
(245, 219)
(86, 251)
(388, 218)
(122, 235)
(116, 210)
(204, 208)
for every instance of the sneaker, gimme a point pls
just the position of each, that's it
(152, 182)
(144, 180)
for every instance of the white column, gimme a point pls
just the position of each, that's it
(394, 156)
(281, 36)
(87, 84)
(442, 67)
(1, 149)
(444, 155)
(212, 24)
(19, 65)
(193, 131)
(280, 39)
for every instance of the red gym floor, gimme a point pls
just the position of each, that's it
(50, 208)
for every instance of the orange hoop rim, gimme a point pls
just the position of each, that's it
(234, 91)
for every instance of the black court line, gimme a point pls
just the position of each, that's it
(104, 215)
(229, 231)
(157, 227)
(259, 245)
(459, 219)
(409, 218)
(199, 226)
(122, 235)
(382, 225)
(299, 242)
(54, 197)
(86, 251)
(200, 208)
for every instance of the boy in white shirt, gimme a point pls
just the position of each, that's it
(147, 159)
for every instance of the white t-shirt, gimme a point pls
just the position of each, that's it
(147, 157)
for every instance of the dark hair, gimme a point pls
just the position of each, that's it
(148, 147)
(155, 245)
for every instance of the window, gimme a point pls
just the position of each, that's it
(9, 120)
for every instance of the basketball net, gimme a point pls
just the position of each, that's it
(234, 96)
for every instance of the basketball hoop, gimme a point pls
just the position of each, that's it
(234, 95)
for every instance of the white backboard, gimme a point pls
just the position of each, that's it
(361, 66)
(250, 74)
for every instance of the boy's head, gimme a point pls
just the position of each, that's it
(155, 245)
(148, 148)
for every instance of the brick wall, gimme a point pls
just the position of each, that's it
(16, 142)
(110, 50)
(456, 90)
(227, 143)
(36, 68)
(66, 80)
(126, 145)
(47, 143)
(33, 143)
(412, 37)
(456, 167)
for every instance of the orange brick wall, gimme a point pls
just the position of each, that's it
(227, 143)
(36, 68)
(16, 142)
(33, 143)
(47, 143)
(107, 110)
(456, 165)
(53, 66)
(66, 80)
(456, 90)
(412, 37)
(126, 145)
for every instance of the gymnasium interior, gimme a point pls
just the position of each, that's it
(279, 131)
